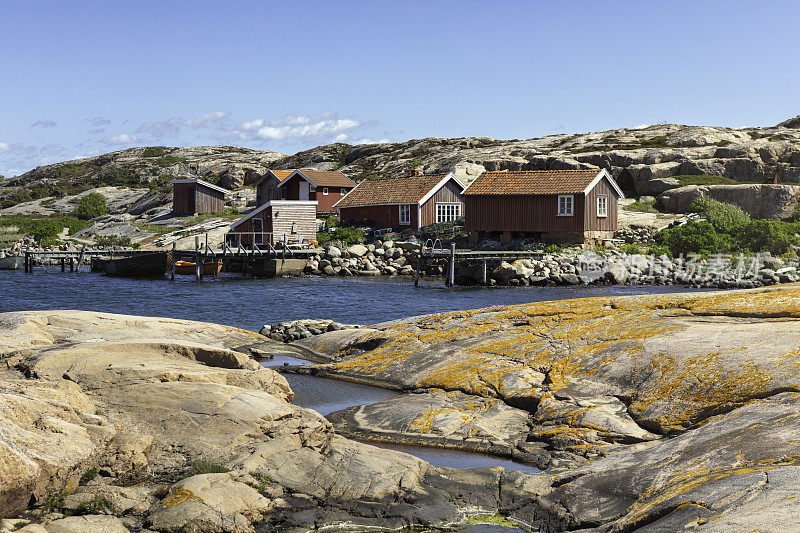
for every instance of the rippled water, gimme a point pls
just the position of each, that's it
(250, 303)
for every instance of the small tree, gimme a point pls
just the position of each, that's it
(91, 206)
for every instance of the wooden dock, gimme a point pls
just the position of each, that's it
(431, 253)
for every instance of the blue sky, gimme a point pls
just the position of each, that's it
(83, 78)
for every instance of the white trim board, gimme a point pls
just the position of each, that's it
(600, 175)
(203, 183)
(439, 185)
(276, 203)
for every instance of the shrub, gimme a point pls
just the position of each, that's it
(553, 249)
(155, 151)
(112, 240)
(726, 218)
(659, 250)
(208, 466)
(88, 476)
(91, 206)
(632, 249)
(347, 234)
(43, 230)
(169, 160)
(694, 238)
(96, 505)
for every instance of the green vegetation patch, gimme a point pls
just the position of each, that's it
(44, 230)
(169, 160)
(96, 505)
(209, 466)
(156, 151)
(491, 519)
(642, 207)
(728, 229)
(347, 234)
(88, 476)
(90, 206)
(705, 179)
(112, 240)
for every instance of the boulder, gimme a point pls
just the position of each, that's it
(87, 524)
(209, 502)
(504, 272)
(774, 202)
(357, 250)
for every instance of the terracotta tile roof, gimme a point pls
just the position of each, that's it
(328, 178)
(519, 183)
(409, 190)
(281, 174)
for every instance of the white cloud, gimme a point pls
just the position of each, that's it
(641, 126)
(297, 127)
(4, 148)
(99, 121)
(372, 141)
(44, 124)
(124, 138)
(214, 119)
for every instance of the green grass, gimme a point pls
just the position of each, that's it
(347, 234)
(227, 213)
(88, 476)
(169, 160)
(208, 466)
(55, 501)
(705, 179)
(263, 482)
(96, 505)
(642, 207)
(155, 151)
(655, 142)
(112, 240)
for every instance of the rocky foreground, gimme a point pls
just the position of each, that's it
(116, 423)
(657, 413)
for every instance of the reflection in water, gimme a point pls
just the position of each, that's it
(325, 395)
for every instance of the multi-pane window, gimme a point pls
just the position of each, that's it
(602, 206)
(325, 191)
(447, 212)
(405, 214)
(343, 191)
(565, 205)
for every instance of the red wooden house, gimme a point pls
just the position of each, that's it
(324, 187)
(192, 196)
(410, 202)
(276, 221)
(551, 205)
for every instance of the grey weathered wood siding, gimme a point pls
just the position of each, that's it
(591, 220)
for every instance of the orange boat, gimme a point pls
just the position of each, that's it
(210, 268)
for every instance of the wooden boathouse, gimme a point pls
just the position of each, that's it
(399, 203)
(192, 196)
(569, 206)
(275, 222)
(267, 188)
(324, 187)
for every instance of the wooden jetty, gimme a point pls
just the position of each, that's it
(264, 260)
(433, 252)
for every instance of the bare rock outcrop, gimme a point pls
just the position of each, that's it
(774, 202)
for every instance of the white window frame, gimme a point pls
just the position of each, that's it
(404, 209)
(343, 191)
(567, 207)
(447, 211)
(602, 201)
(325, 191)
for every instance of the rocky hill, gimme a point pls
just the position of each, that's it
(645, 161)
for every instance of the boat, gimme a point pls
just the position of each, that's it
(210, 268)
(12, 262)
(147, 265)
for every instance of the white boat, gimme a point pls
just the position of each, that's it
(11, 262)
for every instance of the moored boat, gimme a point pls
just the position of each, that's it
(148, 265)
(12, 262)
(210, 268)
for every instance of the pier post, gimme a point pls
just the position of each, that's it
(172, 266)
(451, 273)
(72, 264)
(419, 269)
(80, 258)
(63, 264)
(198, 268)
(27, 262)
(484, 277)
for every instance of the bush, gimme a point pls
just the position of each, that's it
(632, 249)
(112, 240)
(44, 230)
(705, 179)
(347, 234)
(725, 218)
(694, 238)
(91, 206)
(208, 466)
(155, 151)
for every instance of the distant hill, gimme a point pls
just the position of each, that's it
(645, 161)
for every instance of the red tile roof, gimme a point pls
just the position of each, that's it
(408, 190)
(532, 182)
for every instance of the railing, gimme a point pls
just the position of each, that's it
(257, 238)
